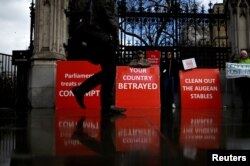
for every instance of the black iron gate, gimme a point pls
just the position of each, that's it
(13, 79)
(188, 29)
(8, 81)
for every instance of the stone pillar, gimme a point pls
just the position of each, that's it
(239, 24)
(49, 37)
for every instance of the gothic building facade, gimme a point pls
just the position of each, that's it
(238, 25)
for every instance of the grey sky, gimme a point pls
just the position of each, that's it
(15, 24)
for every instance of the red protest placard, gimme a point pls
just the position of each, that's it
(200, 88)
(137, 87)
(70, 74)
(153, 56)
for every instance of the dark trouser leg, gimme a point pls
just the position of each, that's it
(172, 90)
(163, 91)
(168, 91)
(108, 81)
(85, 87)
(244, 90)
(91, 82)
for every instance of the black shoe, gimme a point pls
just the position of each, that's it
(78, 96)
(115, 117)
(117, 109)
(112, 110)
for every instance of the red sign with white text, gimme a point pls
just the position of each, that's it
(153, 57)
(137, 87)
(200, 88)
(70, 74)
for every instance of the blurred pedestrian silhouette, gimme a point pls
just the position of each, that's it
(244, 83)
(169, 71)
(96, 39)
